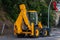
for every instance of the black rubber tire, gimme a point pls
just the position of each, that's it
(48, 33)
(35, 32)
(20, 35)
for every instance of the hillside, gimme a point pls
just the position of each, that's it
(7, 22)
(3, 18)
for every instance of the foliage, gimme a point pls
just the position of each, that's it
(0, 4)
(12, 8)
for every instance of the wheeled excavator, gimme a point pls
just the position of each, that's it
(27, 24)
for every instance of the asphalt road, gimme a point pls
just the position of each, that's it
(55, 35)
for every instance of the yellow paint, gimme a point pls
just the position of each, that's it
(40, 25)
(32, 29)
(37, 32)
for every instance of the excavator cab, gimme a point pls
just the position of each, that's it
(33, 16)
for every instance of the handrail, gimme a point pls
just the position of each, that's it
(49, 12)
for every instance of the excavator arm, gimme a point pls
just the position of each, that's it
(22, 16)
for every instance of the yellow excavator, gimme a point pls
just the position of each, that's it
(27, 24)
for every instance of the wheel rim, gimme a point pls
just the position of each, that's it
(37, 32)
(45, 33)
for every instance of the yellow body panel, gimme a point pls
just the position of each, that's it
(32, 29)
(40, 25)
(32, 11)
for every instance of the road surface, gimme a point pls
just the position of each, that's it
(55, 35)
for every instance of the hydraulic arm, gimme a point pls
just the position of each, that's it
(22, 16)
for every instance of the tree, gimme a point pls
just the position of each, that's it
(12, 8)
